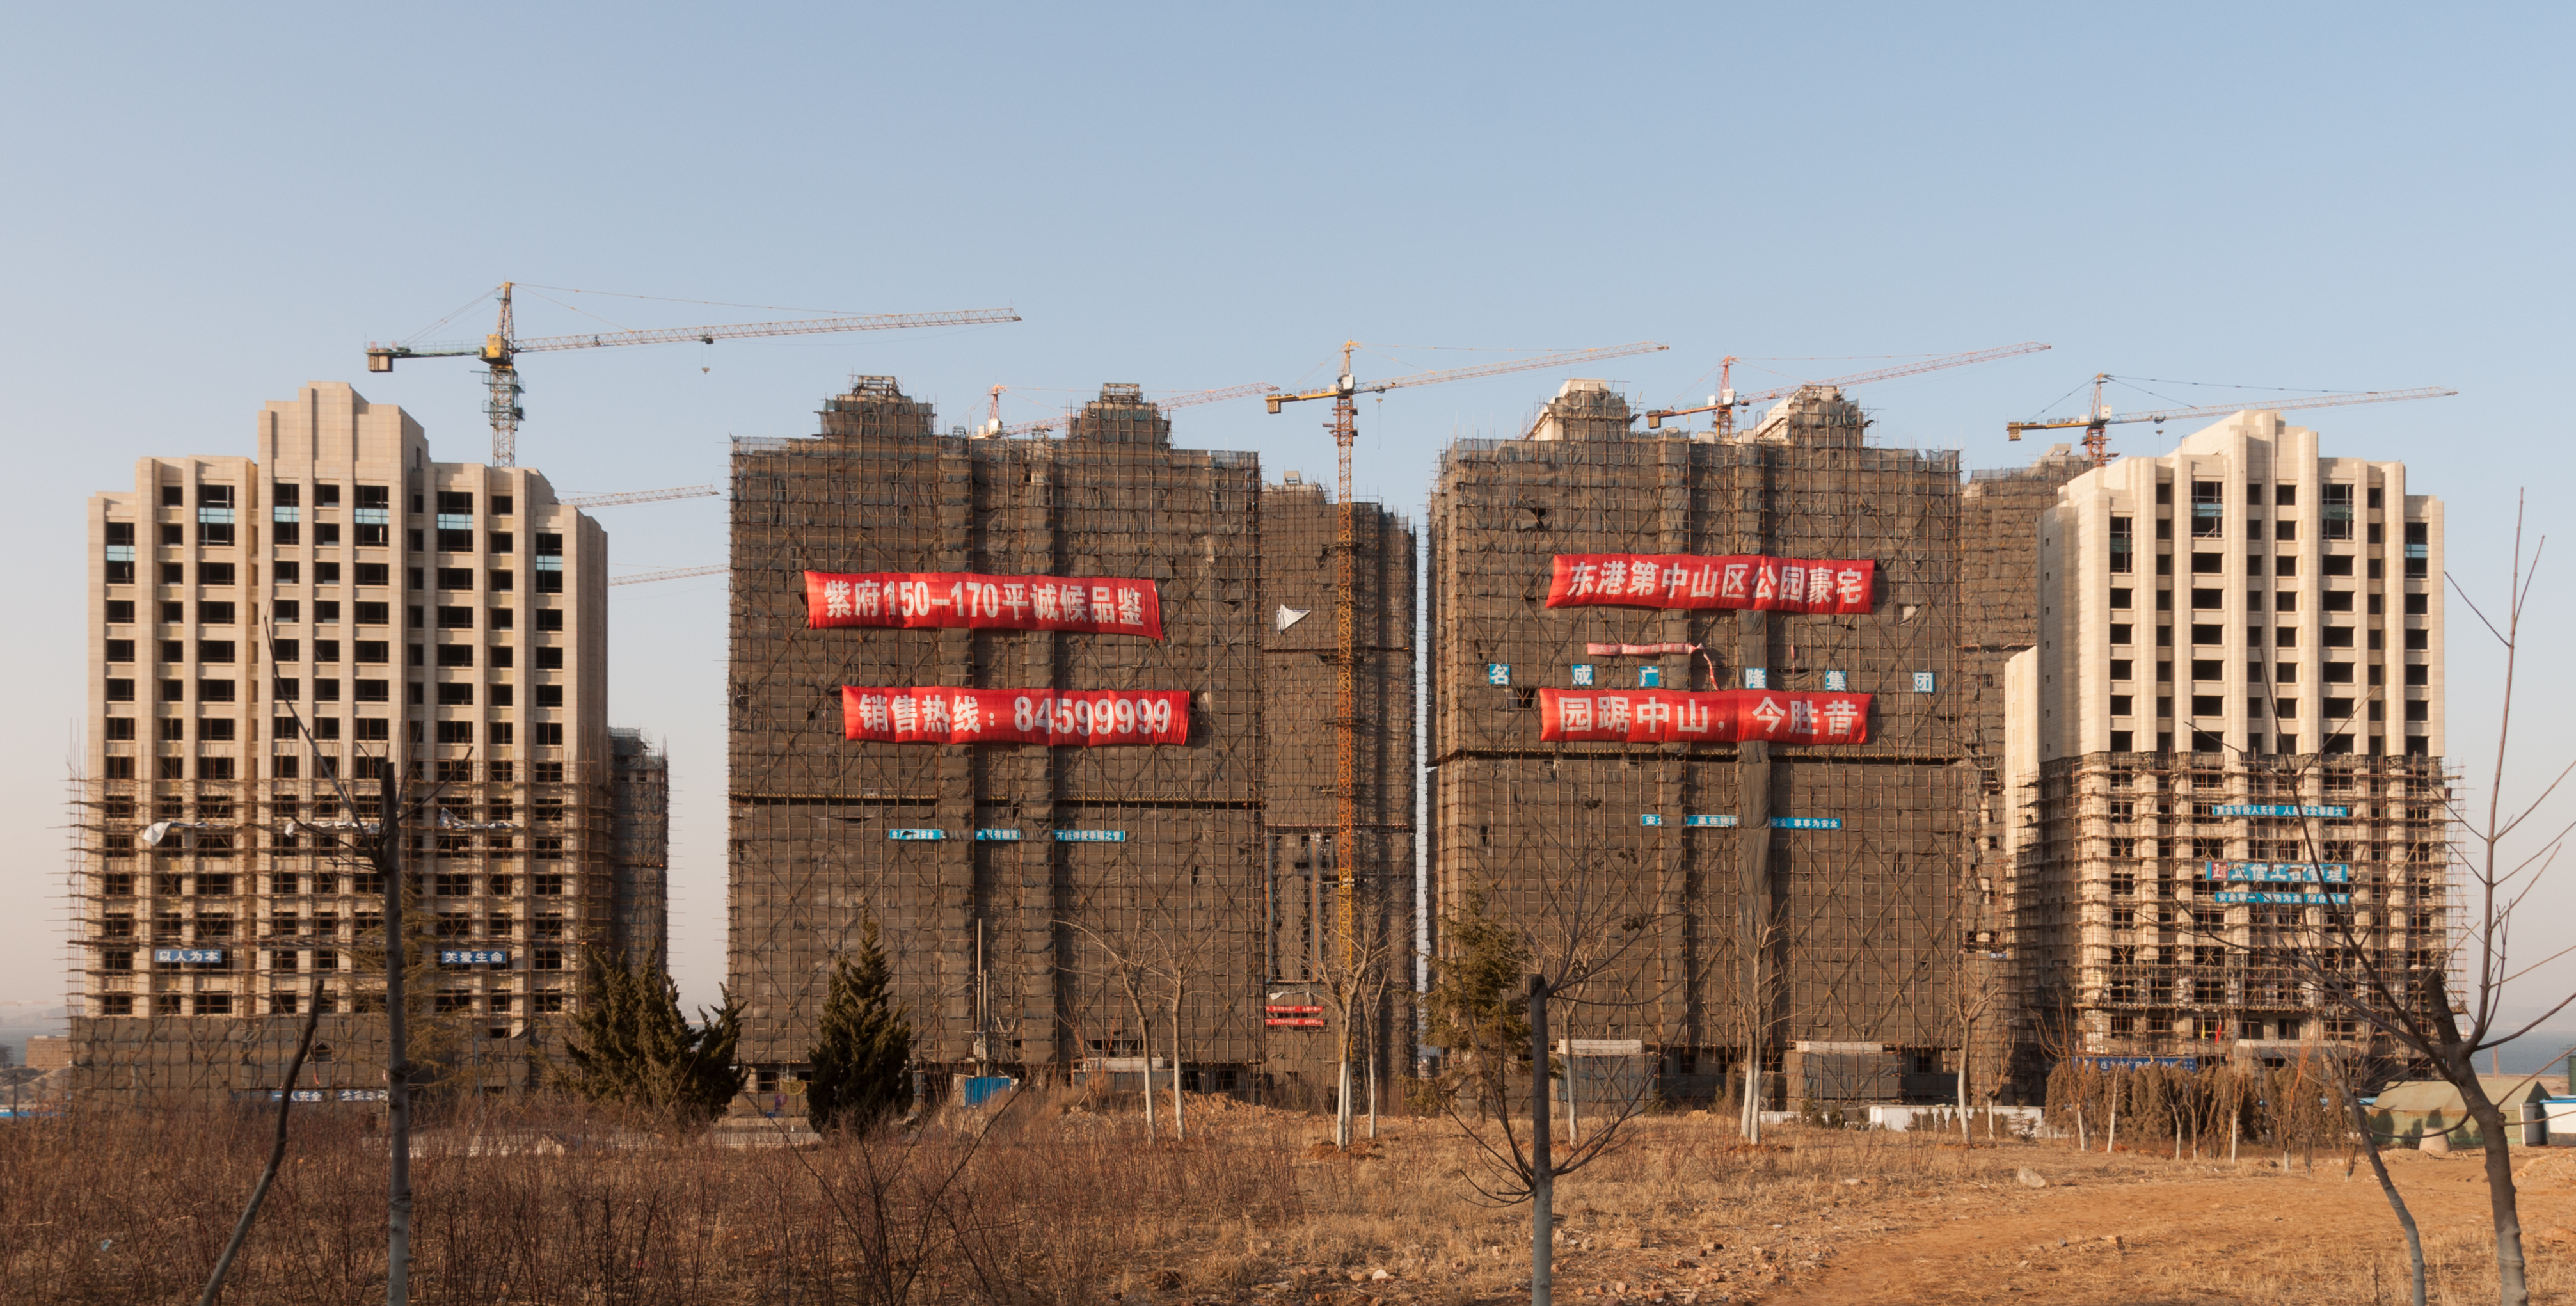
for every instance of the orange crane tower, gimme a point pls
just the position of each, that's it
(1345, 429)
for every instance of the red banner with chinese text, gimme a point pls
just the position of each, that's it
(1723, 716)
(1680, 580)
(917, 600)
(928, 714)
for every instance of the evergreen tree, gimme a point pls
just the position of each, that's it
(863, 1050)
(1478, 1007)
(631, 1045)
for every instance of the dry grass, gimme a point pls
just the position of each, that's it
(1060, 1204)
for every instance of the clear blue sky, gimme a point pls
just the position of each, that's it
(208, 207)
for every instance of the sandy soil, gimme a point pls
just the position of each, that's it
(1840, 1221)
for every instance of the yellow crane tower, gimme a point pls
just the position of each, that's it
(1344, 427)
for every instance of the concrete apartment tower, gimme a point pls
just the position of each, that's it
(448, 619)
(2233, 714)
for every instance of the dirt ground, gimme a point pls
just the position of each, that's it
(1690, 1217)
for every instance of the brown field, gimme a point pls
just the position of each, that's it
(1060, 1204)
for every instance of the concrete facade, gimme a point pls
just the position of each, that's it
(2239, 626)
(265, 635)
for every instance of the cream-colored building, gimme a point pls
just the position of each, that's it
(2232, 723)
(267, 634)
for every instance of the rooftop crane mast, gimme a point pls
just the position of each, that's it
(2097, 440)
(1726, 401)
(500, 351)
(1345, 429)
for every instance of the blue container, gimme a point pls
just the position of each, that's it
(980, 1089)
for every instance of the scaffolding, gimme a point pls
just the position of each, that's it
(2128, 945)
(1310, 944)
(1009, 882)
(1862, 963)
(1999, 586)
(195, 957)
(639, 777)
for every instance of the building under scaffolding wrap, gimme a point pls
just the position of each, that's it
(1838, 952)
(639, 777)
(1018, 886)
(1999, 511)
(268, 636)
(1309, 958)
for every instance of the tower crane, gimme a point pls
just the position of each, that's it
(993, 418)
(2097, 440)
(1344, 427)
(639, 496)
(1726, 401)
(500, 351)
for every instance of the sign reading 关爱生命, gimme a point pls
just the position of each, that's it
(473, 957)
(1720, 716)
(1111, 605)
(1678, 580)
(928, 714)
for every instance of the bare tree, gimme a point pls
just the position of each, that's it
(1576, 946)
(378, 846)
(1128, 964)
(1974, 991)
(1354, 973)
(2345, 960)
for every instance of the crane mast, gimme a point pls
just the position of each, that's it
(1344, 428)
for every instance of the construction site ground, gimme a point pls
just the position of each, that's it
(1687, 1214)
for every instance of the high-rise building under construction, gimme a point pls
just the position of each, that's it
(2228, 736)
(269, 637)
(1025, 706)
(1704, 687)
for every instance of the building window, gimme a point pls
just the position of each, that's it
(2122, 546)
(2338, 637)
(2121, 704)
(2338, 600)
(2208, 510)
(2338, 511)
(2207, 669)
(2207, 634)
(2207, 705)
(2206, 599)
(456, 655)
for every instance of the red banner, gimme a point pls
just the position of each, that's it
(1724, 716)
(917, 600)
(1680, 580)
(928, 714)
